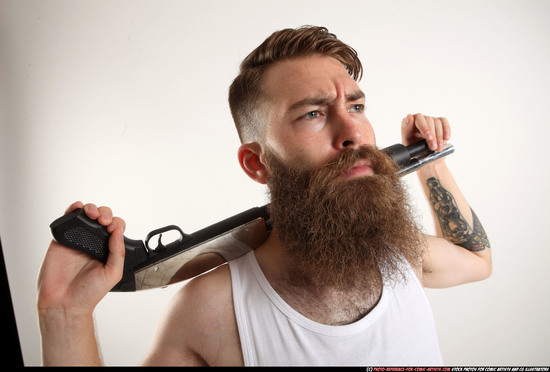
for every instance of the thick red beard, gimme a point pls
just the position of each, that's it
(343, 234)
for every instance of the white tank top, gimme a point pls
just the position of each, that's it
(400, 330)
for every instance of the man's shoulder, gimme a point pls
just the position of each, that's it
(210, 291)
(201, 320)
(199, 326)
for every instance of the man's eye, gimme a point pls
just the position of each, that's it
(312, 115)
(357, 108)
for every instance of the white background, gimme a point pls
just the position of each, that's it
(123, 103)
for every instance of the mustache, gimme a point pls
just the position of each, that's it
(380, 162)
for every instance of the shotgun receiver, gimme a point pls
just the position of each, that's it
(190, 255)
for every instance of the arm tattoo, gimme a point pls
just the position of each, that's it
(454, 226)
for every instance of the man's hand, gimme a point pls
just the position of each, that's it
(74, 282)
(436, 131)
(70, 285)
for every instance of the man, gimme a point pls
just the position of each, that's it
(339, 279)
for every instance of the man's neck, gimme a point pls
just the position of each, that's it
(319, 303)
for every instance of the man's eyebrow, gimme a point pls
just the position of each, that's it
(310, 101)
(322, 100)
(355, 96)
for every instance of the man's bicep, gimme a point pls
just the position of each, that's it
(446, 265)
(170, 357)
(171, 343)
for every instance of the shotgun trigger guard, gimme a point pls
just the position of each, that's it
(160, 246)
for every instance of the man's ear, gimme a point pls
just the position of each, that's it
(251, 160)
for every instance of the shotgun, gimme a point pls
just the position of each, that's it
(148, 265)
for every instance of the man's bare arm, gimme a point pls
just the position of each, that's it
(70, 285)
(452, 224)
(68, 340)
(460, 252)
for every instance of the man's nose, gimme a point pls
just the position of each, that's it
(347, 132)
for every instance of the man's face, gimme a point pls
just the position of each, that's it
(315, 110)
(337, 205)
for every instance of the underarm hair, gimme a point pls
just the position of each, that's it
(454, 226)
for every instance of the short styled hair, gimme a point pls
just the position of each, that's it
(245, 91)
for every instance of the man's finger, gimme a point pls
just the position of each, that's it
(117, 222)
(425, 126)
(105, 215)
(446, 129)
(91, 210)
(438, 128)
(115, 262)
(75, 205)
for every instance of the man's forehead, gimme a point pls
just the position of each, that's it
(303, 78)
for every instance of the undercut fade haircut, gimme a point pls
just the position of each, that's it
(245, 91)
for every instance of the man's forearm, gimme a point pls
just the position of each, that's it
(68, 340)
(455, 220)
